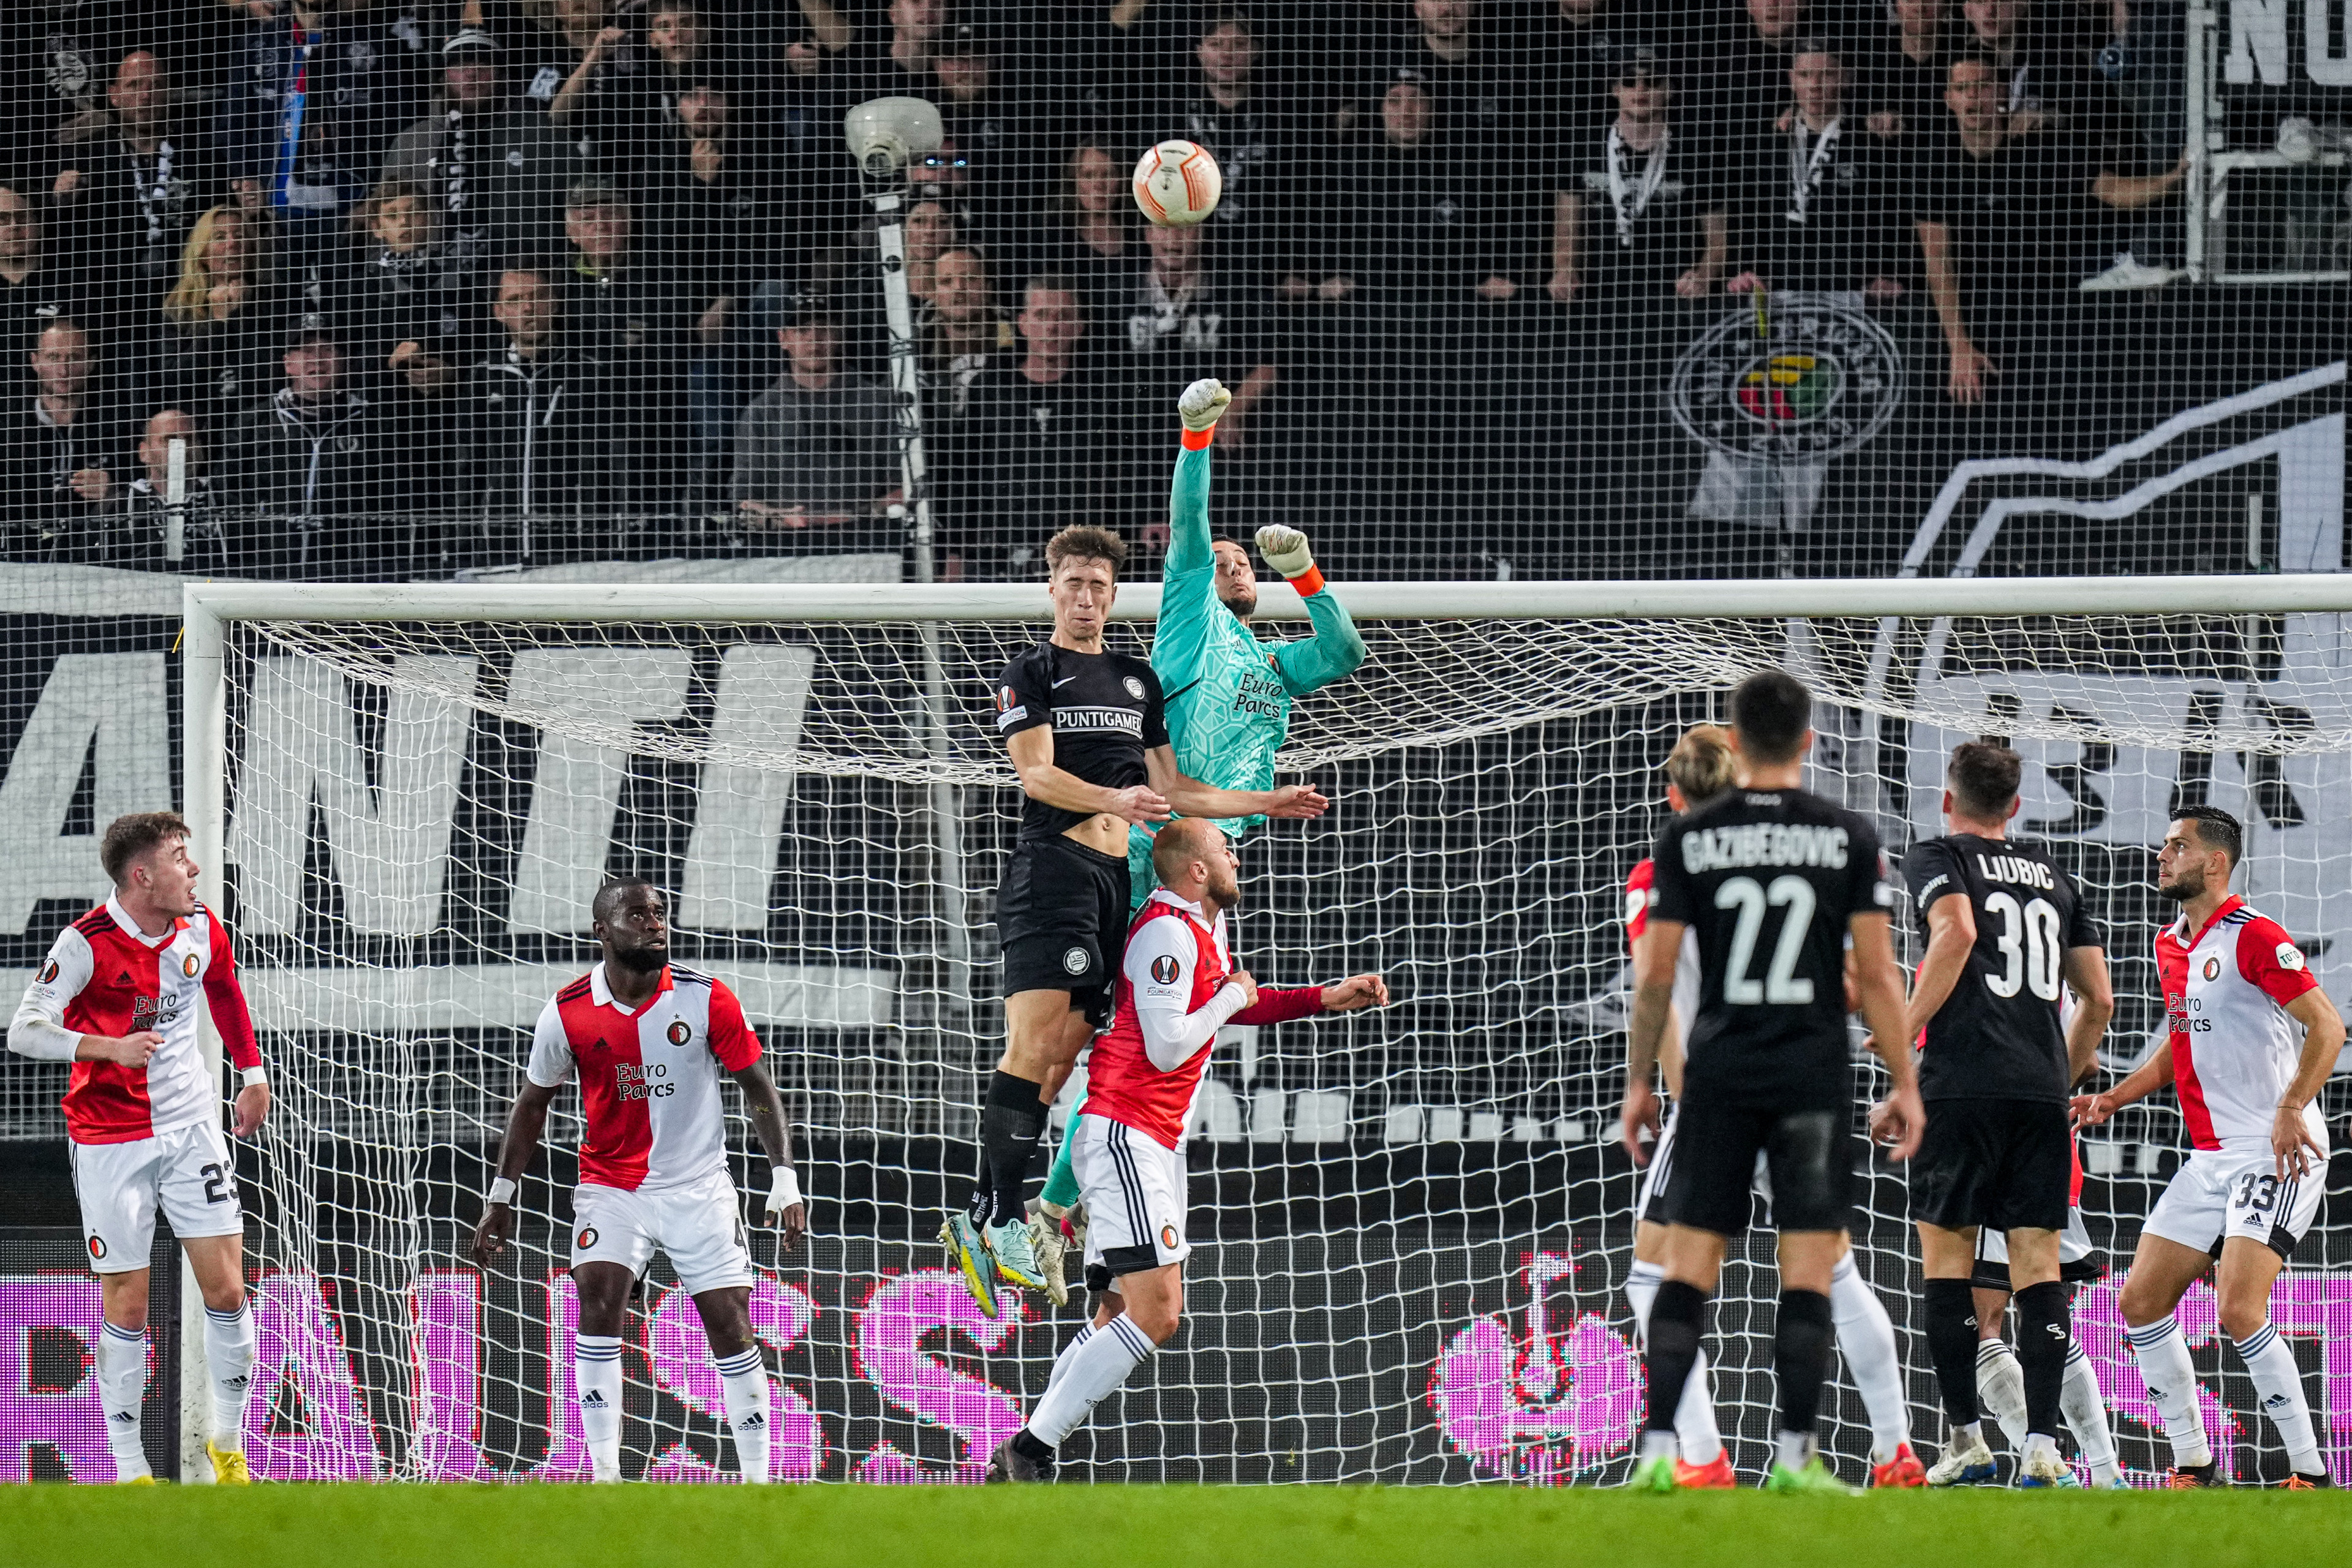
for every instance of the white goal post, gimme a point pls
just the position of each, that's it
(1492, 772)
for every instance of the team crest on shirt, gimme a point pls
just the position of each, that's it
(2213, 967)
(1163, 969)
(679, 1032)
(1134, 688)
(188, 966)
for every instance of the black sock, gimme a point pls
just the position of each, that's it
(1009, 1125)
(1677, 1319)
(2044, 1330)
(1030, 1446)
(1800, 1356)
(1952, 1346)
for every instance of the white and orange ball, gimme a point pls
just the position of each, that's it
(1177, 184)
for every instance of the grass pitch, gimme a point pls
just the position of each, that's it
(862, 1527)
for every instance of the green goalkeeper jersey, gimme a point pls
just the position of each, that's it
(1228, 693)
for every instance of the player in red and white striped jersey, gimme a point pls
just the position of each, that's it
(648, 1040)
(1177, 987)
(2235, 985)
(118, 997)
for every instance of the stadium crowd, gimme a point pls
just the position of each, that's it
(424, 288)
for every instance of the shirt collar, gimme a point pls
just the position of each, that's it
(2230, 906)
(601, 993)
(1191, 910)
(129, 927)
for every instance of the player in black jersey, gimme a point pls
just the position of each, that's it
(1774, 881)
(2007, 936)
(1088, 735)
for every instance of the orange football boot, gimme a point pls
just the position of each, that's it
(1903, 1470)
(1717, 1475)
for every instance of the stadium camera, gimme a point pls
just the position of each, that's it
(2302, 142)
(885, 135)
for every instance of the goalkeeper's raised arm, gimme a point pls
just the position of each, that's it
(1229, 695)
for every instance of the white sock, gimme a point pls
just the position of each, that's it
(597, 1369)
(2086, 1416)
(1069, 1354)
(1794, 1450)
(1099, 1365)
(1700, 1438)
(2000, 1389)
(2171, 1379)
(122, 1389)
(745, 1380)
(2279, 1382)
(1865, 1338)
(229, 1351)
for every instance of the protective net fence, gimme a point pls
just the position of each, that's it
(1411, 1230)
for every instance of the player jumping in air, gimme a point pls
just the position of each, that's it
(648, 1040)
(118, 996)
(2006, 937)
(1087, 732)
(1774, 880)
(1698, 771)
(1228, 694)
(2235, 985)
(1176, 989)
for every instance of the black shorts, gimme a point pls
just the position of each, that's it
(1061, 915)
(2005, 1164)
(1809, 1152)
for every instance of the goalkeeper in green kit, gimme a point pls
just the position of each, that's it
(1228, 694)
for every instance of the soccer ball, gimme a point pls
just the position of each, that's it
(1177, 184)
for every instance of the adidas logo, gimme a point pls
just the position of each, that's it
(127, 1417)
(592, 1400)
(754, 1420)
(239, 1383)
(2278, 1402)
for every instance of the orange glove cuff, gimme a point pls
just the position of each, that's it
(1198, 440)
(1309, 582)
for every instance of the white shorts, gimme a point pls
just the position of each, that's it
(699, 1226)
(2218, 1194)
(1134, 1188)
(1662, 1159)
(188, 1170)
(2073, 1242)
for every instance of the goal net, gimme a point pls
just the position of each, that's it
(1412, 1227)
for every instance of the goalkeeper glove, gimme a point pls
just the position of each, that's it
(1202, 405)
(1285, 550)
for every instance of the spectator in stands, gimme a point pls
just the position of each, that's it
(130, 192)
(1578, 49)
(1901, 70)
(1818, 207)
(1485, 78)
(64, 445)
(2008, 223)
(1742, 74)
(964, 331)
(896, 64)
(816, 459)
(226, 319)
(494, 175)
(1093, 238)
(346, 83)
(1256, 138)
(1185, 318)
(2044, 59)
(1639, 222)
(131, 527)
(532, 419)
(630, 307)
(1029, 458)
(307, 468)
(34, 290)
